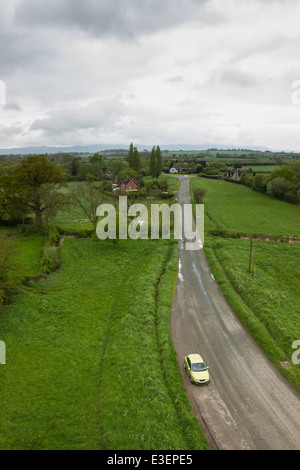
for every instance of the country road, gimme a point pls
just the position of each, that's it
(248, 403)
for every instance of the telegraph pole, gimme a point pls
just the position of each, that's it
(250, 258)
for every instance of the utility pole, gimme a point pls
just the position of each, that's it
(250, 258)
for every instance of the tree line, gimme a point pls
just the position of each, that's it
(282, 183)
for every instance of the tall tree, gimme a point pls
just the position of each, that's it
(34, 186)
(153, 162)
(131, 156)
(136, 164)
(158, 162)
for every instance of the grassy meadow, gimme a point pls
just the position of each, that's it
(230, 206)
(266, 299)
(90, 359)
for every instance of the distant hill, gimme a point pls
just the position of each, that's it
(40, 150)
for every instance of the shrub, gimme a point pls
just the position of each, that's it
(53, 235)
(50, 259)
(199, 194)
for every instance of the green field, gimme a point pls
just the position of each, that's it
(230, 206)
(90, 360)
(261, 168)
(267, 299)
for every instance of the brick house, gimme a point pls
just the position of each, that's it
(127, 184)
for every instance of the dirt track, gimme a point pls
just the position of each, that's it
(248, 403)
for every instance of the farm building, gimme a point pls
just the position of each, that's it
(235, 173)
(173, 170)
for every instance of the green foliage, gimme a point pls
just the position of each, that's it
(155, 164)
(282, 183)
(199, 194)
(215, 168)
(134, 159)
(53, 235)
(130, 156)
(8, 266)
(32, 187)
(136, 164)
(158, 162)
(50, 259)
(127, 173)
(259, 183)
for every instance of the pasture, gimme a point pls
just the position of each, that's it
(230, 206)
(90, 360)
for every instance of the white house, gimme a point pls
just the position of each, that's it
(173, 170)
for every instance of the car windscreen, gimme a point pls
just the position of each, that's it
(198, 367)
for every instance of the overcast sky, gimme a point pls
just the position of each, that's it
(150, 72)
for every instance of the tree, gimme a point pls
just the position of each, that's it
(89, 195)
(128, 173)
(153, 163)
(96, 159)
(115, 166)
(33, 187)
(158, 162)
(278, 188)
(131, 156)
(199, 194)
(136, 163)
(259, 183)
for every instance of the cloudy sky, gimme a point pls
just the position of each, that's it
(80, 72)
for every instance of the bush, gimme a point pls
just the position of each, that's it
(53, 236)
(199, 194)
(50, 259)
(166, 195)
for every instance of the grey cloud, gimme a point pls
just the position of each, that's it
(175, 79)
(236, 77)
(12, 106)
(120, 18)
(102, 114)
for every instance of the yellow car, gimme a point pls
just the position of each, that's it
(196, 369)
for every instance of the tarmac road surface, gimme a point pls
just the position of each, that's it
(248, 404)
